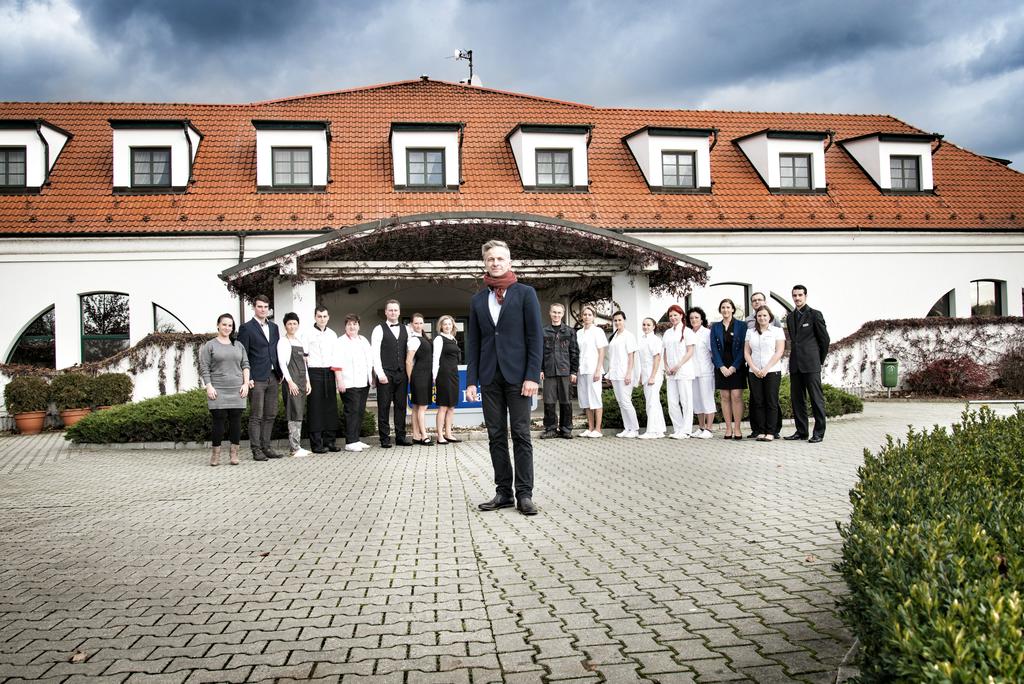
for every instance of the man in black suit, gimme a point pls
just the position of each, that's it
(259, 336)
(808, 340)
(504, 348)
(389, 341)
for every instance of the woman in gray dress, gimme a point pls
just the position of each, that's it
(224, 369)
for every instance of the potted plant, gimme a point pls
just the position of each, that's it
(107, 389)
(70, 391)
(27, 397)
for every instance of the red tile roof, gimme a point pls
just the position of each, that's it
(973, 192)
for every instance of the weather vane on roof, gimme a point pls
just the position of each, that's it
(468, 56)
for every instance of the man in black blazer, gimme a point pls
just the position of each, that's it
(504, 349)
(808, 341)
(259, 336)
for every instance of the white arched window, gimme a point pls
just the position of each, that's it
(36, 346)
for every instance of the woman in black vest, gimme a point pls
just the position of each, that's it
(418, 361)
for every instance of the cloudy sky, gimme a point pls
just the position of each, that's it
(955, 68)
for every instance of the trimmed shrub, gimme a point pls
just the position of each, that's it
(1011, 370)
(180, 417)
(26, 393)
(953, 377)
(71, 390)
(837, 403)
(110, 389)
(934, 555)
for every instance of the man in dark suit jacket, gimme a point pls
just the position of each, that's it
(808, 341)
(259, 336)
(504, 348)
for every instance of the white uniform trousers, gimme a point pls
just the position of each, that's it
(655, 415)
(680, 404)
(624, 395)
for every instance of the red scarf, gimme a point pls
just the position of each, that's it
(500, 284)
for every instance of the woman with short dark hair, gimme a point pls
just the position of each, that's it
(704, 374)
(353, 377)
(763, 352)
(224, 369)
(291, 358)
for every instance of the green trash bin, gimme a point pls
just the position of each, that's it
(890, 372)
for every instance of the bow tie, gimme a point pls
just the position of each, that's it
(394, 325)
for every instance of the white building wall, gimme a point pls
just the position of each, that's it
(404, 140)
(267, 139)
(855, 277)
(127, 138)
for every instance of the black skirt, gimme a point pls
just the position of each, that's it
(448, 373)
(736, 381)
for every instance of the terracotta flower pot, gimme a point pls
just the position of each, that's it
(30, 422)
(72, 416)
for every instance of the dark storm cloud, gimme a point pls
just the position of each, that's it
(941, 65)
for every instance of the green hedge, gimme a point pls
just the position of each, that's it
(837, 403)
(934, 555)
(174, 418)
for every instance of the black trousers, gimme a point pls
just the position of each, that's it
(557, 420)
(505, 405)
(764, 402)
(230, 418)
(354, 401)
(800, 385)
(392, 396)
(322, 408)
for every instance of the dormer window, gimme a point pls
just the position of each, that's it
(292, 156)
(795, 171)
(12, 167)
(551, 157)
(425, 168)
(897, 163)
(425, 156)
(676, 160)
(904, 173)
(554, 168)
(28, 151)
(153, 155)
(292, 167)
(151, 167)
(787, 161)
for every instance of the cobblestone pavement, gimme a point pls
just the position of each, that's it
(658, 561)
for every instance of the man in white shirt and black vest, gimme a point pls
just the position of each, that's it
(389, 343)
(322, 404)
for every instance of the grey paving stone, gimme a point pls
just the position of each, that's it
(166, 568)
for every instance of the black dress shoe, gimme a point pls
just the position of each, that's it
(385, 445)
(258, 456)
(526, 507)
(565, 434)
(497, 502)
(794, 436)
(751, 436)
(404, 441)
(548, 434)
(321, 450)
(815, 439)
(270, 453)
(426, 441)
(777, 435)
(333, 448)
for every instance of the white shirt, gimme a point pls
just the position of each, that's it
(703, 365)
(354, 358)
(650, 346)
(589, 341)
(265, 327)
(438, 349)
(675, 342)
(493, 306)
(375, 340)
(414, 343)
(319, 346)
(762, 347)
(284, 355)
(619, 348)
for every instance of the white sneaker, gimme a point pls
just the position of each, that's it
(679, 435)
(696, 433)
(353, 447)
(645, 435)
(624, 433)
(596, 434)
(362, 445)
(631, 435)
(650, 435)
(705, 434)
(301, 453)
(585, 433)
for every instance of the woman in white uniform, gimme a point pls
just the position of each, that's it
(592, 344)
(651, 378)
(704, 372)
(679, 342)
(624, 372)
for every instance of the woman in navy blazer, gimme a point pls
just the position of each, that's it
(727, 338)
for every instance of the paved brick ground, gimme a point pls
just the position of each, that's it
(665, 561)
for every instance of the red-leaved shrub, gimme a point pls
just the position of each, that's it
(953, 377)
